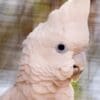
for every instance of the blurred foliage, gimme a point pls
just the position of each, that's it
(42, 8)
(77, 89)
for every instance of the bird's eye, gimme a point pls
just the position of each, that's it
(61, 48)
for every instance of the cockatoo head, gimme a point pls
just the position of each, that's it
(53, 47)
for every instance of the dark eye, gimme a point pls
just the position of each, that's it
(61, 48)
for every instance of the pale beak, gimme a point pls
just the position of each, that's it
(76, 72)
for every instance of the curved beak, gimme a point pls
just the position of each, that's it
(76, 72)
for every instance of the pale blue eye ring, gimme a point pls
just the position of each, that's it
(61, 48)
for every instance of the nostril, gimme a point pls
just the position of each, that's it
(76, 70)
(75, 66)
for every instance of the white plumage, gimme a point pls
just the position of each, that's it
(46, 68)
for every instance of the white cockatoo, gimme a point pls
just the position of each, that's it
(53, 55)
